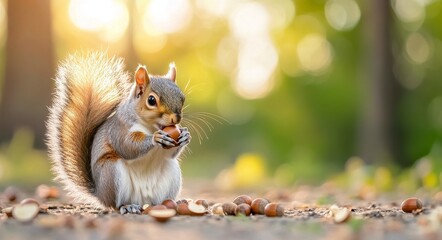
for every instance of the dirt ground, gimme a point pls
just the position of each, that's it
(308, 215)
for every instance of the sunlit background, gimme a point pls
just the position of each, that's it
(286, 91)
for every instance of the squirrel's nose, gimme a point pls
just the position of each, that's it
(175, 118)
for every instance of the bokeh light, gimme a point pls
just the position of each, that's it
(314, 53)
(109, 18)
(417, 48)
(281, 13)
(249, 20)
(167, 16)
(2, 25)
(257, 56)
(342, 15)
(409, 11)
(215, 7)
(256, 62)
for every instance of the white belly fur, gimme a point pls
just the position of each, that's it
(149, 179)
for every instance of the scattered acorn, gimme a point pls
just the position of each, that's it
(170, 204)
(25, 212)
(10, 193)
(217, 209)
(243, 209)
(145, 206)
(47, 192)
(274, 210)
(147, 209)
(182, 201)
(229, 208)
(258, 205)
(243, 199)
(156, 207)
(202, 202)
(162, 215)
(341, 214)
(8, 211)
(30, 200)
(196, 209)
(410, 205)
(183, 209)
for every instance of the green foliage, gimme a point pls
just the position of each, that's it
(20, 164)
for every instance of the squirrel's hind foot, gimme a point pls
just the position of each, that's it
(131, 208)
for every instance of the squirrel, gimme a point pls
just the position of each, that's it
(105, 137)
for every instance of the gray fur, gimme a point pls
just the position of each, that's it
(165, 87)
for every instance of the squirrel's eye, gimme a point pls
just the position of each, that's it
(151, 101)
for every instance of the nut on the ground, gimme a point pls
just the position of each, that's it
(217, 209)
(162, 215)
(25, 212)
(243, 209)
(229, 208)
(411, 204)
(202, 202)
(196, 209)
(341, 214)
(274, 210)
(10, 193)
(8, 211)
(183, 209)
(243, 199)
(46, 192)
(30, 200)
(258, 205)
(170, 204)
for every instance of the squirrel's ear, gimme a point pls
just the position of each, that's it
(141, 76)
(141, 79)
(171, 74)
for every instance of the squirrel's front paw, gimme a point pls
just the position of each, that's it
(184, 137)
(164, 139)
(132, 208)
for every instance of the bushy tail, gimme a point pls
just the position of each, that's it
(88, 87)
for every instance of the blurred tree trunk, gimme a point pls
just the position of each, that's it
(131, 55)
(29, 69)
(378, 139)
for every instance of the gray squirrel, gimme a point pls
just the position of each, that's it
(105, 133)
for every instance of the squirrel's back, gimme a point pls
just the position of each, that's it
(88, 87)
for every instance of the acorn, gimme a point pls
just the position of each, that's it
(8, 211)
(202, 202)
(183, 209)
(196, 209)
(341, 215)
(243, 199)
(30, 200)
(10, 193)
(274, 210)
(243, 209)
(217, 209)
(162, 215)
(173, 131)
(411, 204)
(170, 204)
(25, 212)
(229, 208)
(258, 205)
(156, 207)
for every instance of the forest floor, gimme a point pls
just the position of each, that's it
(308, 215)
